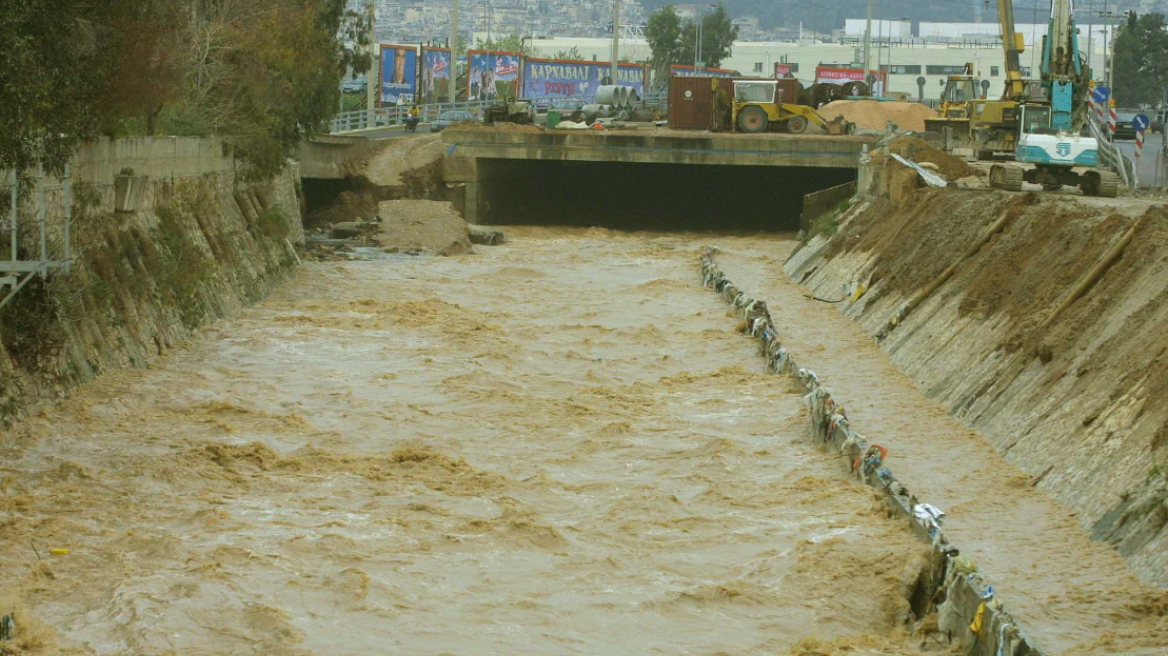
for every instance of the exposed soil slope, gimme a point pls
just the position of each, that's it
(1078, 400)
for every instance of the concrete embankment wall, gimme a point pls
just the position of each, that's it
(950, 586)
(1037, 319)
(191, 243)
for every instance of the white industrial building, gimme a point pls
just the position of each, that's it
(905, 58)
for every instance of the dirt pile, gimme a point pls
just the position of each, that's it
(872, 114)
(423, 226)
(387, 167)
(513, 128)
(920, 151)
(349, 206)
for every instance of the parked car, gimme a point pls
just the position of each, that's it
(449, 118)
(1123, 126)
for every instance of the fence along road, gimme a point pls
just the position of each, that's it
(383, 117)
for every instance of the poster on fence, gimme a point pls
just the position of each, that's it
(562, 78)
(436, 68)
(492, 75)
(399, 75)
(841, 75)
(681, 70)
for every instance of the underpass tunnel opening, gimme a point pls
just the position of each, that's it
(633, 196)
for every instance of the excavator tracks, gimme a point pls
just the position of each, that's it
(1007, 177)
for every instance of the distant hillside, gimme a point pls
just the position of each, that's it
(825, 17)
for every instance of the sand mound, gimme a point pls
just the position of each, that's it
(921, 151)
(423, 225)
(872, 114)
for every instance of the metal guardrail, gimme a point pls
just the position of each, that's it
(382, 117)
(15, 272)
(1112, 157)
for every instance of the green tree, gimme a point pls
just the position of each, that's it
(262, 73)
(1141, 60)
(509, 43)
(258, 73)
(663, 33)
(48, 61)
(672, 41)
(718, 35)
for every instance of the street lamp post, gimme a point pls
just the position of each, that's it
(616, 8)
(451, 84)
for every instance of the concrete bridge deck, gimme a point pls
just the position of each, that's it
(656, 146)
(650, 168)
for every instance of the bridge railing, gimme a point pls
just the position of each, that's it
(381, 117)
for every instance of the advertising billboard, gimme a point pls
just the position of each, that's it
(681, 70)
(492, 75)
(399, 74)
(559, 78)
(436, 68)
(840, 75)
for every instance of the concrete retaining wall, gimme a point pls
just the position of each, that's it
(1073, 399)
(156, 256)
(329, 157)
(100, 161)
(824, 201)
(963, 600)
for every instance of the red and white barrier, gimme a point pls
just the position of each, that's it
(1139, 142)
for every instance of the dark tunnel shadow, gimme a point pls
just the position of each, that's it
(631, 196)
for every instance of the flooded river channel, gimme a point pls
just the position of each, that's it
(556, 446)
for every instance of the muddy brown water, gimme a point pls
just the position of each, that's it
(559, 445)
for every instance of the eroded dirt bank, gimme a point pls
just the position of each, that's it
(555, 446)
(1075, 399)
(1074, 595)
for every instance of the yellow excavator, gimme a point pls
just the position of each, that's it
(994, 124)
(989, 126)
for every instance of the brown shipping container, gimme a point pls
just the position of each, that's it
(689, 103)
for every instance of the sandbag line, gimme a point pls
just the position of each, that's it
(966, 607)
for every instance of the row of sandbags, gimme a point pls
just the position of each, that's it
(965, 606)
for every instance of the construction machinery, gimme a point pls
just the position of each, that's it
(953, 113)
(758, 106)
(1050, 132)
(994, 124)
(509, 111)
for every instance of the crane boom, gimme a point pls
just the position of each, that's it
(1013, 44)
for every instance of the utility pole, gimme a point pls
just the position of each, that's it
(373, 78)
(616, 7)
(1111, 67)
(1109, 46)
(697, 39)
(868, 42)
(451, 84)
